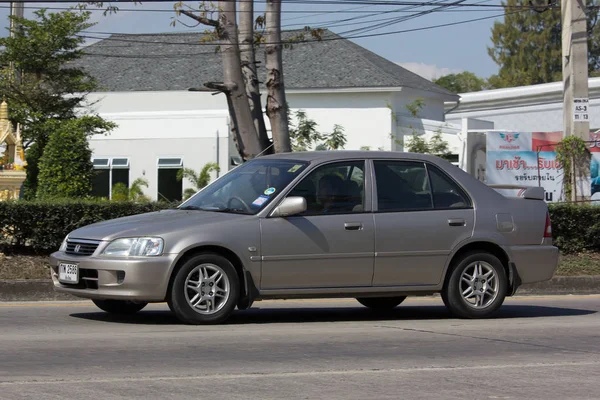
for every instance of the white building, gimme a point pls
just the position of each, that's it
(163, 127)
(536, 108)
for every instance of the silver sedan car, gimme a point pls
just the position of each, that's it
(375, 226)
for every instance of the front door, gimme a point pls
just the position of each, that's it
(332, 243)
(422, 215)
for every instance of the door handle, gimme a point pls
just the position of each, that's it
(457, 222)
(353, 226)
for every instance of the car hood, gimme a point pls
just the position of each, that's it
(159, 223)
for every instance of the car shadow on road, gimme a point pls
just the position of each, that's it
(265, 315)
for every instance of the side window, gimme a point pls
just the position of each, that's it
(334, 189)
(402, 186)
(446, 193)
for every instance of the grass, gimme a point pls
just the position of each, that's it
(24, 267)
(579, 264)
(37, 267)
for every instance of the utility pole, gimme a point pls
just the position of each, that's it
(575, 75)
(16, 10)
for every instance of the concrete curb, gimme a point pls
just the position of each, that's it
(43, 289)
(30, 290)
(563, 285)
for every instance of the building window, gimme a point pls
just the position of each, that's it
(169, 188)
(107, 173)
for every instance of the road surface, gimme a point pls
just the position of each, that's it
(537, 348)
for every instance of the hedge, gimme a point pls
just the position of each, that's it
(40, 226)
(575, 228)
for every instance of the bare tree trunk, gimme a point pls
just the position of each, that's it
(248, 59)
(233, 80)
(276, 103)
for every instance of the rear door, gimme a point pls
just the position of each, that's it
(421, 215)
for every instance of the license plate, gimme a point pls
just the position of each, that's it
(68, 273)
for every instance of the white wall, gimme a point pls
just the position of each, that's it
(538, 118)
(536, 108)
(145, 136)
(366, 119)
(186, 124)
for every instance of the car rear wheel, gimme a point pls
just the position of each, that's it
(381, 303)
(205, 290)
(119, 306)
(476, 287)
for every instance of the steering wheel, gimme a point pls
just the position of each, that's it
(242, 202)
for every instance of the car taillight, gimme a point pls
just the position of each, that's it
(548, 228)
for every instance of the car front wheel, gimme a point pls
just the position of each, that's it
(119, 306)
(476, 287)
(205, 290)
(381, 303)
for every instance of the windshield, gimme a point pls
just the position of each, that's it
(248, 188)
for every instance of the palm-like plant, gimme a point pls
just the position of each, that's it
(135, 193)
(198, 179)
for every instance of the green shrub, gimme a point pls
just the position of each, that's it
(40, 226)
(66, 169)
(575, 228)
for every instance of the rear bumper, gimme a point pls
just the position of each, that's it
(534, 263)
(120, 279)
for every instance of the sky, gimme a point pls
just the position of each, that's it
(428, 52)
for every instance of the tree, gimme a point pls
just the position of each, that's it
(462, 83)
(335, 140)
(198, 180)
(418, 144)
(66, 169)
(233, 85)
(239, 69)
(305, 135)
(135, 193)
(247, 40)
(50, 89)
(527, 46)
(276, 104)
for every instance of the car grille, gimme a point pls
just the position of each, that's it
(81, 247)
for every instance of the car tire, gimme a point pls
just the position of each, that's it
(122, 307)
(381, 303)
(215, 293)
(476, 287)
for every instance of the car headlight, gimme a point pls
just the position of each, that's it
(63, 246)
(134, 247)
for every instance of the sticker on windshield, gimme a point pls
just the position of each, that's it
(295, 168)
(260, 200)
(270, 191)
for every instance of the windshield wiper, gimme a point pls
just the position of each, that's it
(215, 209)
(227, 210)
(191, 208)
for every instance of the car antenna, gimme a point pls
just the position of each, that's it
(259, 154)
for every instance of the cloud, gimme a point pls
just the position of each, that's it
(428, 71)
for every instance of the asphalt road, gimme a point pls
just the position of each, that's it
(537, 348)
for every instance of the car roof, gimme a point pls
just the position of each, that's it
(334, 155)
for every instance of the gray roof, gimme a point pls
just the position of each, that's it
(176, 61)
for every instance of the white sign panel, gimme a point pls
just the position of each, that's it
(581, 110)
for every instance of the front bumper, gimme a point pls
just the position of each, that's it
(534, 263)
(144, 279)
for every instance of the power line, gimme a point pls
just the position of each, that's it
(367, 3)
(312, 11)
(397, 20)
(301, 42)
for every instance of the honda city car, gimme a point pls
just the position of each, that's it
(375, 226)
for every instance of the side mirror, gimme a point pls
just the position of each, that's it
(290, 206)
